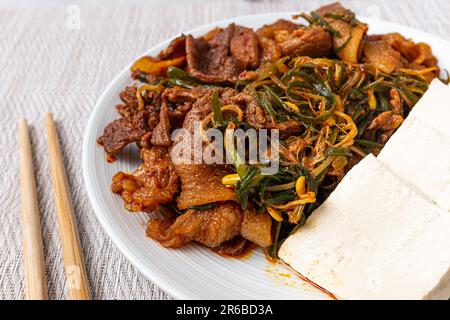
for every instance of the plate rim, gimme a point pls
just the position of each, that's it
(154, 277)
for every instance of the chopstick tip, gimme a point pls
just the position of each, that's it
(48, 115)
(48, 119)
(23, 123)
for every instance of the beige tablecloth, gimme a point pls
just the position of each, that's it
(58, 58)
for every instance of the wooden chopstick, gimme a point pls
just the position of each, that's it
(68, 231)
(33, 251)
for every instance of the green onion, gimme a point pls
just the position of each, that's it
(281, 197)
(273, 249)
(203, 207)
(344, 43)
(281, 187)
(265, 103)
(217, 111)
(367, 143)
(251, 178)
(179, 77)
(384, 103)
(336, 152)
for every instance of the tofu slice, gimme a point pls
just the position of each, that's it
(420, 155)
(434, 107)
(374, 238)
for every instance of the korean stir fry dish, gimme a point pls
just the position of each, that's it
(334, 93)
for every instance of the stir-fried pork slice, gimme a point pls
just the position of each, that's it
(175, 49)
(256, 117)
(153, 67)
(287, 38)
(161, 133)
(130, 101)
(333, 8)
(209, 60)
(313, 42)
(415, 53)
(130, 104)
(210, 227)
(181, 101)
(200, 183)
(383, 56)
(253, 112)
(396, 101)
(257, 227)
(387, 120)
(174, 104)
(271, 51)
(385, 123)
(244, 47)
(287, 128)
(223, 57)
(269, 30)
(180, 95)
(154, 183)
(415, 56)
(200, 109)
(233, 248)
(174, 55)
(123, 131)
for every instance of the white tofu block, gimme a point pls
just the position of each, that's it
(434, 107)
(420, 155)
(374, 238)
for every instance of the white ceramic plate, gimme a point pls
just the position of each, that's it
(194, 272)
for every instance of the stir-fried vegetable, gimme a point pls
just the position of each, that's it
(180, 78)
(150, 66)
(336, 102)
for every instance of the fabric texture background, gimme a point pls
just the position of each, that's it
(48, 64)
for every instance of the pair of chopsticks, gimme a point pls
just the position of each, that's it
(33, 253)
